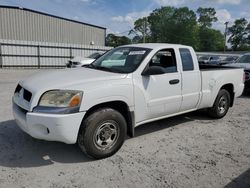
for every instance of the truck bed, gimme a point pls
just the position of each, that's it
(213, 77)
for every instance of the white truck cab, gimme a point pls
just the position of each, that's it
(99, 104)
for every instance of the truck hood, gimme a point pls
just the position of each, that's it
(83, 60)
(60, 79)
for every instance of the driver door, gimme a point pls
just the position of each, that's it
(162, 92)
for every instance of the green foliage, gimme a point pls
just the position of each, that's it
(211, 40)
(240, 34)
(174, 25)
(180, 26)
(206, 16)
(114, 41)
(141, 29)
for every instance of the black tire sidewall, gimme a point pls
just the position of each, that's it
(215, 110)
(90, 125)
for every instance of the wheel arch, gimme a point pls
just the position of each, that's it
(230, 88)
(121, 107)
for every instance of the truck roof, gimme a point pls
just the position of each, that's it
(156, 45)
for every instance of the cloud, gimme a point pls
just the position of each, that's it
(233, 2)
(126, 18)
(76, 18)
(130, 17)
(169, 2)
(186, 2)
(117, 19)
(223, 16)
(245, 15)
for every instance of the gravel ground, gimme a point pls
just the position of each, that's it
(185, 151)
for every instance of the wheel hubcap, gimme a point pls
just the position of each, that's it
(106, 135)
(222, 105)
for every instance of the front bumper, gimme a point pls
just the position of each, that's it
(51, 127)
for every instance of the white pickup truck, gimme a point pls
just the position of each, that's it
(98, 105)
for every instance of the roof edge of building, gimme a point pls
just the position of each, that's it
(47, 14)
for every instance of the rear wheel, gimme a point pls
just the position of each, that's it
(102, 133)
(221, 104)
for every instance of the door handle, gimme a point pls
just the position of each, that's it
(175, 81)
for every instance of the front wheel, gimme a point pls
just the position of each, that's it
(102, 133)
(221, 104)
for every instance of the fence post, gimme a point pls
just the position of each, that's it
(70, 52)
(1, 57)
(38, 57)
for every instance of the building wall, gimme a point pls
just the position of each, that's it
(28, 25)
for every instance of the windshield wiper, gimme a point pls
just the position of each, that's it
(104, 68)
(97, 67)
(89, 66)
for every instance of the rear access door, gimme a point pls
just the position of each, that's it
(191, 80)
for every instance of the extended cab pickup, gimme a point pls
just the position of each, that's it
(99, 104)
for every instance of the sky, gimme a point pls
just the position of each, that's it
(118, 16)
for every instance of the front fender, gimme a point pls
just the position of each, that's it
(121, 90)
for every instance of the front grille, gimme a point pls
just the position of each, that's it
(18, 88)
(27, 95)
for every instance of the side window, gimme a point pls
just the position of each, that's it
(187, 60)
(165, 59)
(245, 59)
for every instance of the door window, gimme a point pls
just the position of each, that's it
(187, 60)
(244, 59)
(165, 59)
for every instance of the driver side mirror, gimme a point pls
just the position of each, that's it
(153, 70)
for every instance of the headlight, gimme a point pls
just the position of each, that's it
(61, 98)
(59, 101)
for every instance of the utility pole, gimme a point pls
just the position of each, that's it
(225, 36)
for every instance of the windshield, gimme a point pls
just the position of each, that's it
(121, 60)
(244, 59)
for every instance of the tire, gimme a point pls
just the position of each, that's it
(102, 133)
(221, 105)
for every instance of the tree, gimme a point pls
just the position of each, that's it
(239, 34)
(248, 37)
(206, 17)
(211, 40)
(141, 29)
(160, 22)
(179, 25)
(137, 39)
(114, 41)
(174, 25)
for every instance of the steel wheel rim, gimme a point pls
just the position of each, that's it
(222, 105)
(106, 135)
